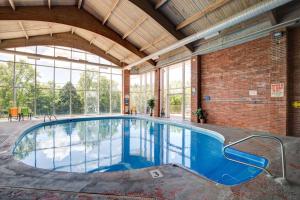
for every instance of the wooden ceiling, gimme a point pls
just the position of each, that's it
(124, 30)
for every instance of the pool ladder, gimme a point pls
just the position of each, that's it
(49, 117)
(281, 180)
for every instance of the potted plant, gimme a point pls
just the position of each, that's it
(151, 104)
(201, 115)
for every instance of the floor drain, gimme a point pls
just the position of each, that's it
(156, 173)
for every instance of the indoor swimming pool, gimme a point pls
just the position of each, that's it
(109, 144)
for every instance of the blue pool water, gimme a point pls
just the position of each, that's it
(122, 143)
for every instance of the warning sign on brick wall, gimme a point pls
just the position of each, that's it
(277, 90)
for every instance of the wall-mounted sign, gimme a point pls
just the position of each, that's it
(207, 98)
(277, 90)
(252, 92)
(296, 104)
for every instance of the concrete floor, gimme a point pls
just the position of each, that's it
(19, 181)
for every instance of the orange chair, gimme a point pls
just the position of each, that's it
(13, 112)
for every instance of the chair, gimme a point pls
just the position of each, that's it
(133, 110)
(25, 111)
(13, 112)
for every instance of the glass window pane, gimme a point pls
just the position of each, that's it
(105, 69)
(62, 76)
(116, 101)
(175, 105)
(92, 58)
(24, 59)
(78, 79)
(63, 64)
(6, 57)
(91, 102)
(91, 80)
(187, 106)
(116, 83)
(78, 66)
(92, 68)
(77, 101)
(104, 61)
(6, 73)
(25, 75)
(29, 49)
(45, 50)
(44, 77)
(6, 87)
(104, 89)
(44, 101)
(135, 83)
(116, 71)
(25, 97)
(62, 100)
(59, 52)
(187, 73)
(116, 93)
(45, 62)
(175, 76)
(78, 55)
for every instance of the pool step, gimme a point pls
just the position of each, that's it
(246, 157)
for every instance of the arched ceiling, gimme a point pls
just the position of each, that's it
(123, 31)
(60, 39)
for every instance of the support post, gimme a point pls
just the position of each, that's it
(196, 86)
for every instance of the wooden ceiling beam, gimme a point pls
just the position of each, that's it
(110, 48)
(212, 7)
(161, 19)
(160, 3)
(12, 4)
(153, 43)
(23, 29)
(80, 2)
(60, 39)
(110, 11)
(138, 23)
(92, 40)
(75, 17)
(50, 28)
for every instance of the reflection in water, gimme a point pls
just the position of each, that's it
(122, 144)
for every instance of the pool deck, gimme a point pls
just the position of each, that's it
(19, 181)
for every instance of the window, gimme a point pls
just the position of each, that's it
(104, 90)
(116, 93)
(176, 90)
(141, 90)
(49, 86)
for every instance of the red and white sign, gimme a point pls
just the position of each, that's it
(277, 90)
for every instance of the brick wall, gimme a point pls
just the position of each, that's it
(228, 75)
(126, 90)
(294, 80)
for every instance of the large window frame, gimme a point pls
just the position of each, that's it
(54, 66)
(184, 89)
(142, 91)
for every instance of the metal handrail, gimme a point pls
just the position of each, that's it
(283, 162)
(49, 117)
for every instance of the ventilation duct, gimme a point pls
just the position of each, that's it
(249, 13)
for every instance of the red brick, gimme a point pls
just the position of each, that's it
(228, 75)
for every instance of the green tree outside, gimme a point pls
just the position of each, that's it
(28, 94)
